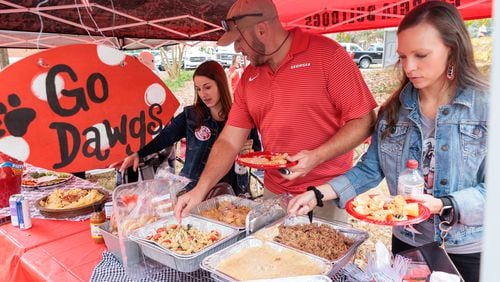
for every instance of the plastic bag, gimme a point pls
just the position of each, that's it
(11, 171)
(381, 268)
(138, 204)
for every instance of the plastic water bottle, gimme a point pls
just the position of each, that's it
(411, 180)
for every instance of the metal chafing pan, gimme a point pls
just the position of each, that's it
(183, 263)
(214, 203)
(211, 263)
(356, 235)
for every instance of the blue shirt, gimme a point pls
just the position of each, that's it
(460, 159)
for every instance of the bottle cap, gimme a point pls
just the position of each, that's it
(97, 207)
(413, 164)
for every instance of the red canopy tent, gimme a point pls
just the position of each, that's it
(135, 24)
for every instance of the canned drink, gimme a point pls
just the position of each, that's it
(23, 213)
(13, 210)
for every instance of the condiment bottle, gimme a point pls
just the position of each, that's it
(97, 218)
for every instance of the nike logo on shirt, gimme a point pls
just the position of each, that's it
(252, 78)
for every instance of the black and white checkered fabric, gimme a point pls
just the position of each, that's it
(110, 269)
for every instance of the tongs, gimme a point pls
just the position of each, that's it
(310, 216)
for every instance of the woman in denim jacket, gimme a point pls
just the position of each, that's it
(200, 124)
(438, 116)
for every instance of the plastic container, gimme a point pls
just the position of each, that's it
(10, 178)
(411, 181)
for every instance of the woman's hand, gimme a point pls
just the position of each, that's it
(302, 204)
(132, 160)
(434, 204)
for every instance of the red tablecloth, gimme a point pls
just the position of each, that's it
(51, 250)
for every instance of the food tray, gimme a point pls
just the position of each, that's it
(358, 237)
(210, 263)
(265, 213)
(304, 278)
(183, 263)
(70, 212)
(213, 203)
(132, 249)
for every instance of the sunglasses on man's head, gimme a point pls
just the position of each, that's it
(225, 23)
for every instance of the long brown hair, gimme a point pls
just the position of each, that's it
(214, 71)
(446, 19)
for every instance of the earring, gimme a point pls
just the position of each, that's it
(450, 72)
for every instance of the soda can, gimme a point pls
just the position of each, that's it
(13, 210)
(23, 213)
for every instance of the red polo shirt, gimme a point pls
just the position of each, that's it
(315, 91)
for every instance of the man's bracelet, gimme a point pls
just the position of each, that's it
(319, 196)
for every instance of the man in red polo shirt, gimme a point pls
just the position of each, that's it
(304, 94)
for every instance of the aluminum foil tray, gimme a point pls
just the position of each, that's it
(183, 263)
(214, 202)
(356, 235)
(210, 263)
(133, 251)
(304, 278)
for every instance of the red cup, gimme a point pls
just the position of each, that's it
(9, 186)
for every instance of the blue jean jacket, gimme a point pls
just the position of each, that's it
(460, 156)
(198, 146)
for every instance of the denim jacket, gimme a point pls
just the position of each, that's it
(198, 146)
(460, 158)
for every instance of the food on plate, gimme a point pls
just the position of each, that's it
(184, 240)
(45, 178)
(384, 208)
(317, 239)
(71, 198)
(229, 213)
(277, 159)
(265, 262)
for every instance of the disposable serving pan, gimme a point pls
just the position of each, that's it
(211, 263)
(132, 249)
(303, 278)
(180, 262)
(214, 203)
(357, 236)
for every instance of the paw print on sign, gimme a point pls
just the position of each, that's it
(16, 120)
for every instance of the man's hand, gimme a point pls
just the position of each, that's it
(132, 160)
(302, 204)
(186, 202)
(307, 160)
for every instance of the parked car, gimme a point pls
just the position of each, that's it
(363, 58)
(192, 61)
(225, 59)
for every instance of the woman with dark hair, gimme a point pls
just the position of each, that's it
(438, 116)
(200, 124)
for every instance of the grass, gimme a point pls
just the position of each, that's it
(185, 75)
